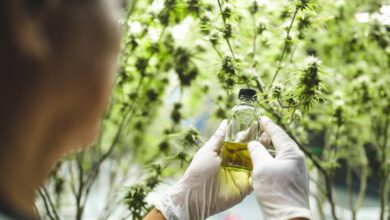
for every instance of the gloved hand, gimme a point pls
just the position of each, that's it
(281, 184)
(206, 188)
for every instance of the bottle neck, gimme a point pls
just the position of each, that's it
(246, 101)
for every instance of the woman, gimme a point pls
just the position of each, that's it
(57, 65)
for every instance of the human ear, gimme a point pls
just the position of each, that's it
(28, 31)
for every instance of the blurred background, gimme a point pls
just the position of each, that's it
(321, 69)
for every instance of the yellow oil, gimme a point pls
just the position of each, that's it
(235, 155)
(234, 182)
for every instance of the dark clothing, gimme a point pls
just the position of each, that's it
(9, 213)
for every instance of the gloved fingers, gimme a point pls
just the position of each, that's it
(216, 141)
(265, 139)
(258, 153)
(282, 142)
(248, 134)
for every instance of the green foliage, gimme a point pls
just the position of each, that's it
(318, 71)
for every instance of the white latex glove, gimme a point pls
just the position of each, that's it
(206, 188)
(281, 184)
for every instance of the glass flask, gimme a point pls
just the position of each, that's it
(243, 127)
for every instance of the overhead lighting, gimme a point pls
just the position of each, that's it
(385, 9)
(382, 16)
(363, 17)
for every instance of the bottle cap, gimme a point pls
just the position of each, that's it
(247, 93)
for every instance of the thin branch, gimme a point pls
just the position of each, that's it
(50, 202)
(286, 42)
(79, 206)
(350, 191)
(383, 172)
(259, 84)
(73, 179)
(254, 38)
(220, 9)
(45, 202)
(131, 8)
(217, 51)
(282, 105)
(230, 48)
(320, 203)
(225, 24)
(362, 189)
(37, 211)
(318, 184)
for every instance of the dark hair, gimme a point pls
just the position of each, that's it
(20, 74)
(32, 4)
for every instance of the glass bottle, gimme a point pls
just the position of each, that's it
(243, 127)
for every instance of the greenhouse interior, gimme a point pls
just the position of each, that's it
(203, 109)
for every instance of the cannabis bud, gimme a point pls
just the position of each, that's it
(261, 28)
(221, 113)
(310, 82)
(152, 95)
(185, 71)
(277, 91)
(338, 115)
(227, 66)
(254, 8)
(176, 115)
(135, 200)
(141, 65)
(226, 11)
(227, 31)
(214, 39)
(164, 146)
(182, 157)
(193, 6)
(190, 138)
(152, 182)
(303, 4)
(227, 73)
(204, 24)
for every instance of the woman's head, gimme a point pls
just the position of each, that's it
(57, 61)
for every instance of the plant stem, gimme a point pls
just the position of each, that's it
(382, 199)
(350, 191)
(383, 173)
(254, 40)
(286, 42)
(131, 8)
(220, 9)
(388, 206)
(37, 211)
(230, 48)
(224, 22)
(79, 206)
(217, 51)
(362, 189)
(363, 183)
(318, 193)
(259, 84)
(45, 202)
(320, 203)
(50, 201)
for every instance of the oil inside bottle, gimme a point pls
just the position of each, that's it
(235, 155)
